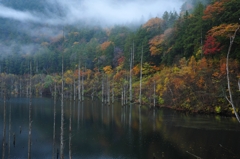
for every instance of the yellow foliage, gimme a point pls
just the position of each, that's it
(108, 69)
(44, 44)
(76, 43)
(68, 80)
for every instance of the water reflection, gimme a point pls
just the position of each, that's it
(96, 130)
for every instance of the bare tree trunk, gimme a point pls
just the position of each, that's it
(154, 94)
(79, 82)
(83, 87)
(122, 97)
(9, 131)
(20, 85)
(102, 90)
(140, 85)
(130, 77)
(133, 54)
(30, 115)
(62, 121)
(74, 89)
(230, 99)
(4, 123)
(112, 94)
(108, 91)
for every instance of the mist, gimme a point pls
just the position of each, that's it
(93, 12)
(48, 21)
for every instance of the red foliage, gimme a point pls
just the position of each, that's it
(211, 46)
(121, 60)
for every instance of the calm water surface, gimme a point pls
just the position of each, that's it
(108, 132)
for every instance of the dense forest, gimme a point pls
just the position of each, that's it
(178, 60)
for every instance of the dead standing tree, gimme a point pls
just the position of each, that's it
(140, 82)
(30, 115)
(230, 98)
(62, 113)
(4, 120)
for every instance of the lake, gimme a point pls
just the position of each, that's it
(99, 131)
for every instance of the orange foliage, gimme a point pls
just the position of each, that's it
(223, 68)
(178, 83)
(157, 42)
(224, 30)
(88, 72)
(203, 64)
(119, 75)
(105, 45)
(136, 70)
(153, 23)
(212, 10)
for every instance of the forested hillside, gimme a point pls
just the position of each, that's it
(177, 60)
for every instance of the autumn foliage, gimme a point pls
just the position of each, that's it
(211, 46)
(213, 10)
(105, 45)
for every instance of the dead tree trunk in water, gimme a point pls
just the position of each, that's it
(74, 89)
(230, 99)
(62, 116)
(82, 87)
(9, 131)
(79, 82)
(108, 91)
(62, 121)
(154, 94)
(130, 77)
(113, 92)
(4, 123)
(102, 90)
(30, 115)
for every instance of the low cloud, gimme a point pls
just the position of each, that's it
(14, 47)
(104, 12)
(9, 13)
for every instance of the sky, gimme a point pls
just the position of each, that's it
(102, 12)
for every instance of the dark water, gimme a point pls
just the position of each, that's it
(107, 132)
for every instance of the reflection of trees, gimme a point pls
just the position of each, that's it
(70, 131)
(54, 122)
(78, 114)
(140, 127)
